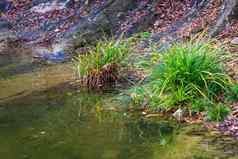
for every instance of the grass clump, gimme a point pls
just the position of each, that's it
(217, 112)
(187, 75)
(232, 93)
(191, 70)
(213, 111)
(101, 65)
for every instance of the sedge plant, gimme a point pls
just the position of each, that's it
(186, 75)
(191, 70)
(101, 65)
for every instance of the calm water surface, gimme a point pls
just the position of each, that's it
(41, 117)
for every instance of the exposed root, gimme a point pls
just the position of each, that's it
(98, 79)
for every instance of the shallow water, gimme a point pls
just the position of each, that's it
(43, 116)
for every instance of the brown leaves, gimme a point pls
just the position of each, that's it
(230, 31)
(43, 22)
(169, 11)
(205, 18)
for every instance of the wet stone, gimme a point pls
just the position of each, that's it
(4, 5)
(179, 114)
(4, 24)
(234, 41)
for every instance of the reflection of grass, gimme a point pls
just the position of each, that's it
(3, 75)
(70, 125)
(3, 71)
(185, 145)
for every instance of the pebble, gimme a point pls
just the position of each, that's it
(234, 41)
(179, 114)
(42, 132)
(143, 113)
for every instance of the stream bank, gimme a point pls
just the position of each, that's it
(41, 109)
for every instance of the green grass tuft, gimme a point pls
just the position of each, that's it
(188, 75)
(217, 112)
(101, 64)
(191, 70)
(232, 93)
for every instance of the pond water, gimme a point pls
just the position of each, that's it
(43, 116)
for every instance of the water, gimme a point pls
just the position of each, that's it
(42, 115)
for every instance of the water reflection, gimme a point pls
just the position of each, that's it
(70, 125)
(70, 129)
(44, 117)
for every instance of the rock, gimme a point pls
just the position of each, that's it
(225, 14)
(195, 2)
(113, 19)
(42, 132)
(4, 24)
(6, 34)
(3, 45)
(57, 56)
(4, 5)
(179, 114)
(234, 41)
(82, 51)
(7, 43)
(102, 23)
